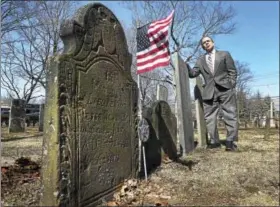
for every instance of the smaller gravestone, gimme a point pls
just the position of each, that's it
(164, 123)
(17, 116)
(264, 121)
(201, 124)
(152, 146)
(256, 122)
(41, 117)
(162, 134)
(162, 93)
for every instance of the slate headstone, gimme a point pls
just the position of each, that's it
(163, 134)
(165, 125)
(152, 146)
(90, 141)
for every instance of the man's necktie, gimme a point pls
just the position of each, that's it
(210, 63)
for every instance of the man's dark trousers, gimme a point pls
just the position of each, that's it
(226, 99)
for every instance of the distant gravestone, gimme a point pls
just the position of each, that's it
(90, 142)
(41, 117)
(162, 93)
(272, 121)
(256, 122)
(17, 116)
(184, 105)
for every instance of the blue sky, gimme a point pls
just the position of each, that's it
(255, 41)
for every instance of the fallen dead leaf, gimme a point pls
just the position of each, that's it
(112, 203)
(161, 202)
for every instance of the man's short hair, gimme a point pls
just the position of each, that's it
(203, 38)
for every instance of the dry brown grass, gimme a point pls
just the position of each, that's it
(15, 145)
(247, 177)
(18, 188)
(217, 178)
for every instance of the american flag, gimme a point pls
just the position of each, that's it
(152, 45)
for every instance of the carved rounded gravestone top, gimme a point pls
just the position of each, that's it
(143, 130)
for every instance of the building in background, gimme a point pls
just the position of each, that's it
(32, 113)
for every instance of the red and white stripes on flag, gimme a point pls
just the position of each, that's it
(152, 45)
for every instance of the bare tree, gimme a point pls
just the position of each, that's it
(13, 13)
(18, 65)
(33, 41)
(259, 106)
(43, 34)
(244, 77)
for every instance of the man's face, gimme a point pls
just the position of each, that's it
(207, 44)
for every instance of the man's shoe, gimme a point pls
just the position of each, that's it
(214, 145)
(230, 146)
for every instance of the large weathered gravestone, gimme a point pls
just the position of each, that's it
(17, 116)
(90, 142)
(184, 106)
(163, 134)
(41, 117)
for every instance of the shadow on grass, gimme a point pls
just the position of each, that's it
(19, 138)
(188, 163)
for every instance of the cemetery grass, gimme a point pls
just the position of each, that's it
(20, 167)
(249, 176)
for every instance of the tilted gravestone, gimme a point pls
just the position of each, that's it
(41, 117)
(17, 116)
(90, 144)
(163, 135)
(183, 105)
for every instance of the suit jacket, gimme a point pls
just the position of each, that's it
(225, 73)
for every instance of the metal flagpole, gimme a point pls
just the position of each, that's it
(141, 136)
(140, 117)
(141, 145)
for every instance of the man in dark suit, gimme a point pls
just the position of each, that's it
(219, 73)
